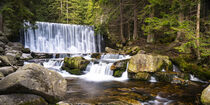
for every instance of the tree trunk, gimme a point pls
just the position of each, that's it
(121, 22)
(61, 9)
(129, 31)
(198, 31)
(67, 11)
(150, 37)
(1, 23)
(181, 19)
(135, 31)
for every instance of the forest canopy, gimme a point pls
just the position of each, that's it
(180, 24)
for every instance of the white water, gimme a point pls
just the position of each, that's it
(62, 38)
(95, 71)
(152, 79)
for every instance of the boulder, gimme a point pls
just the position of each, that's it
(15, 46)
(119, 67)
(7, 70)
(2, 44)
(15, 53)
(4, 39)
(26, 50)
(26, 56)
(22, 99)
(110, 50)
(205, 97)
(165, 76)
(96, 55)
(149, 63)
(75, 65)
(1, 75)
(8, 60)
(35, 79)
(139, 76)
(1, 50)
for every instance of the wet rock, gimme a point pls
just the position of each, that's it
(26, 50)
(96, 55)
(22, 99)
(165, 76)
(41, 55)
(35, 79)
(148, 63)
(1, 75)
(26, 56)
(139, 76)
(205, 97)
(7, 70)
(110, 50)
(75, 65)
(7, 60)
(119, 67)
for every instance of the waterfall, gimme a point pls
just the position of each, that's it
(62, 38)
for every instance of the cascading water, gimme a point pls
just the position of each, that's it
(67, 39)
(61, 38)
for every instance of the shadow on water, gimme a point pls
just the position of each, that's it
(131, 92)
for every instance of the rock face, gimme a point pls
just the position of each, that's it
(22, 99)
(35, 79)
(205, 97)
(143, 63)
(75, 65)
(119, 67)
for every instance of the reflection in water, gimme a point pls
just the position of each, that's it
(130, 92)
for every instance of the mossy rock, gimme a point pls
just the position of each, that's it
(205, 97)
(139, 76)
(75, 65)
(118, 73)
(186, 66)
(165, 76)
(96, 55)
(119, 67)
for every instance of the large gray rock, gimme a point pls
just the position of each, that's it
(149, 63)
(205, 97)
(35, 79)
(142, 65)
(22, 99)
(7, 70)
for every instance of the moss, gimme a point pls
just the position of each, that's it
(118, 73)
(164, 76)
(186, 65)
(75, 71)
